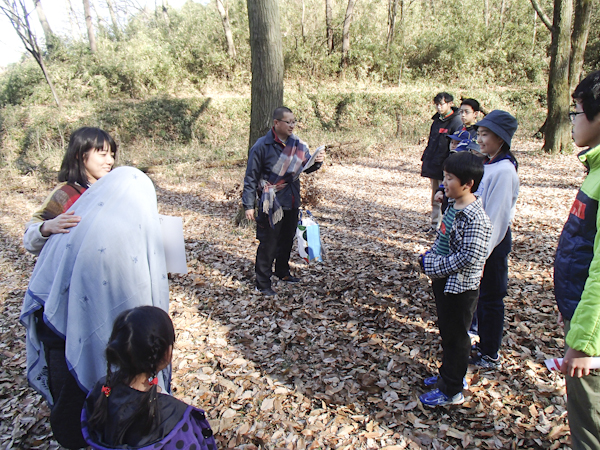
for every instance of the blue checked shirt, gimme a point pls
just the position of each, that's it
(469, 237)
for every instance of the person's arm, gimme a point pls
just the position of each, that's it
(473, 246)
(48, 220)
(497, 198)
(251, 179)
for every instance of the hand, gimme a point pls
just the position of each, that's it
(320, 157)
(250, 214)
(560, 320)
(439, 197)
(60, 224)
(576, 364)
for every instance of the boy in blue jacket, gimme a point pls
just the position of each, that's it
(577, 275)
(455, 264)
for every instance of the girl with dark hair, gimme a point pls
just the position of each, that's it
(112, 261)
(90, 155)
(126, 409)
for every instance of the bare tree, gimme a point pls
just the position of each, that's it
(16, 12)
(392, 9)
(267, 65)
(329, 25)
(75, 29)
(226, 28)
(113, 18)
(346, 34)
(569, 29)
(89, 25)
(99, 18)
(48, 35)
(486, 12)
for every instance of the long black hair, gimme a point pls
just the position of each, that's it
(82, 141)
(140, 341)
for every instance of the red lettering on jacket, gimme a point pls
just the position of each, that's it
(443, 228)
(578, 209)
(443, 130)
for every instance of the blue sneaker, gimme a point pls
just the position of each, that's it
(431, 381)
(438, 398)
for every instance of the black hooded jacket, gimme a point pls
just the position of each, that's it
(438, 149)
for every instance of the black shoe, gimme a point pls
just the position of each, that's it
(268, 292)
(289, 279)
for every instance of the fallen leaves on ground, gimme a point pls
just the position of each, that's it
(338, 360)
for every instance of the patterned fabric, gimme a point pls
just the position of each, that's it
(58, 202)
(111, 261)
(443, 247)
(469, 238)
(181, 426)
(288, 167)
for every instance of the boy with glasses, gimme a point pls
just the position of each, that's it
(577, 275)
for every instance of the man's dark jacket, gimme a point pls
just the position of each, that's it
(438, 149)
(264, 154)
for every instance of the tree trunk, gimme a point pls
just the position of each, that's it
(486, 12)
(535, 15)
(392, 8)
(226, 28)
(113, 18)
(346, 34)
(329, 25)
(302, 23)
(557, 129)
(99, 18)
(48, 35)
(579, 37)
(267, 65)
(75, 30)
(89, 25)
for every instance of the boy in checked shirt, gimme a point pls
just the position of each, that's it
(455, 265)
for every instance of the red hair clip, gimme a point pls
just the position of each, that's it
(153, 381)
(106, 390)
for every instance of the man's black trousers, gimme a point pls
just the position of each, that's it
(455, 312)
(275, 245)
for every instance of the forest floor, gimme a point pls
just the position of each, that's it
(338, 360)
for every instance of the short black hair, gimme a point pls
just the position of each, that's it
(443, 97)
(466, 167)
(473, 104)
(280, 111)
(588, 94)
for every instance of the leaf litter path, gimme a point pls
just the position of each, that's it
(337, 361)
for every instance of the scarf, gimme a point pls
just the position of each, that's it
(111, 261)
(286, 170)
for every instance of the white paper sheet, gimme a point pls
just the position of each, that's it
(172, 232)
(555, 363)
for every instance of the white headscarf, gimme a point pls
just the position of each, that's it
(111, 261)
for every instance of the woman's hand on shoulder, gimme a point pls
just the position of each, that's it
(60, 224)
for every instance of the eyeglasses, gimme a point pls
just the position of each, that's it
(573, 115)
(465, 111)
(291, 124)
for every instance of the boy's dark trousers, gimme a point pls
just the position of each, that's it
(455, 312)
(275, 245)
(490, 310)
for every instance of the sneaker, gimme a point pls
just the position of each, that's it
(486, 362)
(289, 279)
(432, 381)
(438, 398)
(432, 229)
(267, 292)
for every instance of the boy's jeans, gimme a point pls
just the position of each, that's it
(583, 406)
(455, 312)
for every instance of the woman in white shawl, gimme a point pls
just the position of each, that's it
(111, 261)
